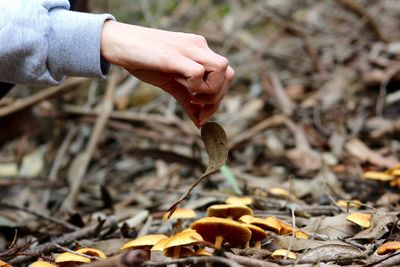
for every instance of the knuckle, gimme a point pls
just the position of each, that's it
(199, 40)
(198, 72)
(223, 63)
(230, 74)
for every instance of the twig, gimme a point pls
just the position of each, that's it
(391, 260)
(249, 262)
(63, 240)
(76, 253)
(354, 7)
(66, 225)
(243, 136)
(85, 158)
(40, 96)
(58, 161)
(136, 258)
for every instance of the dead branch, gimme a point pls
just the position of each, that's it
(42, 95)
(85, 158)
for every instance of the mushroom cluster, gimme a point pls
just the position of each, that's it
(230, 225)
(67, 259)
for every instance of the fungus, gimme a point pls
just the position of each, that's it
(4, 264)
(235, 200)
(92, 252)
(282, 253)
(389, 247)
(361, 219)
(144, 242)
(229, 211)
(68, 259)
(378, 176)
(288, 229)
(217, 230)
(175, 248)
(269, 223)
(257, 235)
(41, 263)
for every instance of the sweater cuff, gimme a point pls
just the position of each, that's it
(74, 44)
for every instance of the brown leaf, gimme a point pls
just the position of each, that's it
(338, 253)
(216, 144)
(379, 226)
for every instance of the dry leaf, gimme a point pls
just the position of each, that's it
(379, 226)
(216, 144)
(337, 253)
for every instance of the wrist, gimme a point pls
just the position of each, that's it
(110, 47)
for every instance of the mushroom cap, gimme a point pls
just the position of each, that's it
(354, 204)
(186, 237)
(143, 241)
(237, 200)
(233, 232)
(361, 219)
(4, 264)
(184, 252)
(281, 253)
(41, 264)
(202, 252)
(257, 233)
(288, 229)
(71, 257)
(181, 213)
(160, 245)
(228, 210)
(278, 192)
(379, 176)
(270, 223)
(247, 219)
(388, 247)
(92, 252)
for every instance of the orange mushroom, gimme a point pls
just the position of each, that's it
(282, 253)
(361, 219)
(217, 230)
(389, 247)
(228, 211)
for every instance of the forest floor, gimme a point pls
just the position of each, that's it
(312, 123)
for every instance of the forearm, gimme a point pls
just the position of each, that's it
(41, 42)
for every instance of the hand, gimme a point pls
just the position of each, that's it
(181, 64)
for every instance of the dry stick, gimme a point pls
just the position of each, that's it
(250, 262)
(391, 260)
(133, 258)
(63, 240)
(58, 161)
(268, 122)
(72, 198)
(273, 85)
(5, 205)
(354, 7)
(40, 96)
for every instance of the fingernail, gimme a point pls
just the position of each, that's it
(204, 121)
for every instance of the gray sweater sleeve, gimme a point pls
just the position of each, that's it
(41, 42)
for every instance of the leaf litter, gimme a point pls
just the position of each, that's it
(311, 118)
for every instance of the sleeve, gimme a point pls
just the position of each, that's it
(41, 42)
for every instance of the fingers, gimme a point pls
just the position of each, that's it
(184, 98)
(215, 67)
(208, 99)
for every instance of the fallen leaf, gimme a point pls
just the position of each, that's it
(334, 227)
(379, 226)
(337, 253)
(216, 144)
(361, 151)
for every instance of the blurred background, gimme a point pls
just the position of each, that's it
(314, 105)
